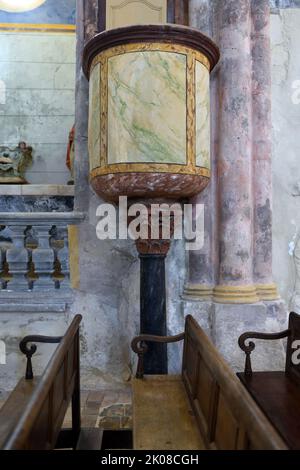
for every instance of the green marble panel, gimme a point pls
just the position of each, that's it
(147, 107)
(94, 118)
(202, 116)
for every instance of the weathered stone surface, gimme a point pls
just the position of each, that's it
(230, 321)
(36, 203)
(235, 149)
(201, 17)
(286, 147)
(34, 303)
(202, 264)
(285, 3)
(261, 142)
(175, 275)
(13, 331)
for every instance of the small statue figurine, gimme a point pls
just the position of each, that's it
(13, 163)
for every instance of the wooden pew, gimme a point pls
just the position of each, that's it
(33, 415)
(205, 408)
(277, 393)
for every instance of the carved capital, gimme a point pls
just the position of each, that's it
(154, 225)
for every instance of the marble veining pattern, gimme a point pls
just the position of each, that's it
(202, 116)
(94, 117)
(36, 203)
(147, 107)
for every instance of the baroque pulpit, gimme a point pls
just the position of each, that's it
(149, 136)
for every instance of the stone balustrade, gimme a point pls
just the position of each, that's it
(34, 254)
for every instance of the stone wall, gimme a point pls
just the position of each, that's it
(108, 291)
(37, 72)
(286, 150)
(14, 326)
(284, 3)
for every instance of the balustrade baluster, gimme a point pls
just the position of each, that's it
(17, 258)
(43, 259)
(63, 256)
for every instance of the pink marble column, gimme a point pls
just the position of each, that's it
(235, 196)
(262, 150)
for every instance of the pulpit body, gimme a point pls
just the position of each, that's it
(149, 134)
(149, 123)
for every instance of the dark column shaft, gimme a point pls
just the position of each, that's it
(153, 311)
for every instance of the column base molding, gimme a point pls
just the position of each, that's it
(231, 294)
(235, 294)
(267, 292)
(198, 292)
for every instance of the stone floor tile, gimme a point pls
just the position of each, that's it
(95, 396)
(91, 408)
(109, 422)
(110, 398)
(125, 397)
(126, 422)
(128, 410)
(88, 421)
(83, 396)
(114, 410)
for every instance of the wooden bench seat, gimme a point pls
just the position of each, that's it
(205, 408)
(163, 418)
(279, 399)
(276, 393)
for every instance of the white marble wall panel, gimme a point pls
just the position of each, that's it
(38, 47)
(37, 76)
(52, 177)
(64, 76)
(47, 158)
(35, 102)
(36, 129)
(38, 71)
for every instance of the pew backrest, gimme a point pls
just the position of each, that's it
(39, 424)
(292, 367)
(227, 416)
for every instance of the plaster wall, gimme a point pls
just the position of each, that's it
(37, 76)
(108, 291)
(285, 33)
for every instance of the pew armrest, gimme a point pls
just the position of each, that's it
(250, 346)
(29, 351)
(139, 346)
